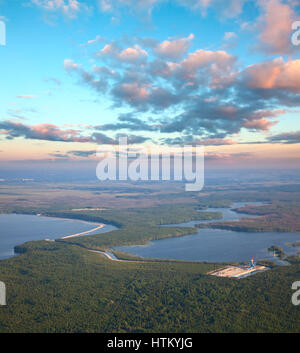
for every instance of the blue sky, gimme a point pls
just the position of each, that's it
(76, 74)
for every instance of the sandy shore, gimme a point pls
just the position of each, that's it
(83, 233)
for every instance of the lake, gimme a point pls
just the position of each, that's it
(214, 245)
(17, 229)
(211, 245)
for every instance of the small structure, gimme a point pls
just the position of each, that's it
(238, 271)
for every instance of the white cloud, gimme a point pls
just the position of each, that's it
(26, 96)
(69, 8)
(229, 35)
(229, 8)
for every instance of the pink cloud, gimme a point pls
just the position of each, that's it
(46, 131)
(276, 26)
(53, 132)
(202, 58)
(260, 124)
(174, 49)
(132, 92)
(275, 74)
(130, 55)
(216, 66)
(134, 54)
(70, 65)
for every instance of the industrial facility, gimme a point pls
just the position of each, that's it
(238, 271)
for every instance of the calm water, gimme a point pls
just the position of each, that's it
(16, 229)
(214, 245)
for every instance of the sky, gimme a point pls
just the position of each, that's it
(76, 75)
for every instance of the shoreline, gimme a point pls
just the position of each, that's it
(83, 233)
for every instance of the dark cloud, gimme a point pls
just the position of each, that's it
(46, 131)
(59, 155)
(49, 132)
(128, 122)
(190, 140)
(286, 138)
(133, 139)
(89, 79)
(82, 153)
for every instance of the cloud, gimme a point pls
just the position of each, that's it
(82, 153)
(26, 96)
(136, 6)
(69, 8)
(16, 113)
(229, 40)
(96, 40)
(174, 49)
(190, 140)
(230, 8)
(132, 92)
(59, 155)
(257, 121)
(133, 139)
(139, 86)
(135, 54)
(259, 124)
(102, 139)
(274, 75)
(50, 132)
(45, 131)
(205, 94)
(128, 122)
(229, 35)
(276, 26)
(286, 138)
(216, 60)
(128, 55)
(87, 78)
